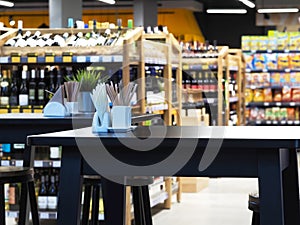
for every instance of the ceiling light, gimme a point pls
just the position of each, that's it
(281, 10)
(7, 3)
(108, 1)
(248, 3)
(227, 11)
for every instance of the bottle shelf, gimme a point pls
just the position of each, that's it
(62, 59)
(273, 104)
(273, 122)
(286, 70)
(272, 51)
(36, 164)
(42, 215)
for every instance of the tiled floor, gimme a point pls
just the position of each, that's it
(224, 202)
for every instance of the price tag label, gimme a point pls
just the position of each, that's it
(16, 59)
(107, 58)
(38, 163)
(19, 162)
(13, 214)
(275, 122)
(3, 59)
(265, 70)
(15, 110)
(185, 67)
(27, 111)
(52, 216)
(290, 122)
(286, 51)
(278, 103)
(5, 163)
(205, 67)
(32, 59)
(3, 111)
(94, 58)
(266, 103)
(56, 164)
(44, 215)
(269, 51)
(81, 59)
(287, 70)
(49, 59)
(118, 58)
(38, 110)
(292, 103)
(297, 122)
(67, 59)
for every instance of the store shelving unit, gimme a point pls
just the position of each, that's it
(273, 78)
(236, 87)
(136, 49)
(224, 63)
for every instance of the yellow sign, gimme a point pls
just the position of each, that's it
(67, 59)
(49, 59)
(31, 60)
(15, 59)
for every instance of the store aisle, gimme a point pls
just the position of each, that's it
(224, 202)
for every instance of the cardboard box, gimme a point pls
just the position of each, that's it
(194, 184)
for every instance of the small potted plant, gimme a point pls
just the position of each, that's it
(88, 79)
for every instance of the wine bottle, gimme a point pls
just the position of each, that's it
(32, 88)
(32, 41)
(12, 41)
(5, 89)
(52, 194)
(41, 86)
(14, 90)
(23, 92)
(206, 82)
(14, 196)
(42, 198)
(51, 87)
(58, 80)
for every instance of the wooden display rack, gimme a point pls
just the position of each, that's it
(235, 59)
(134, 49)
(219, 60)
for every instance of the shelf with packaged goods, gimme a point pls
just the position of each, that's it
(228, 64)
(273, 122)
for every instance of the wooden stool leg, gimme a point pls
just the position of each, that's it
(23, 204)
(86, 204)
(2, 205)
(95, 204)
(33, 204)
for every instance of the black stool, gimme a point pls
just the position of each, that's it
(23, 175)
(253, 205)
(91, 185)
(140, 194)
